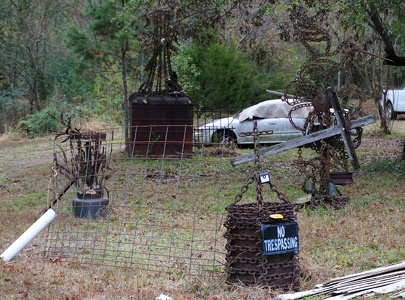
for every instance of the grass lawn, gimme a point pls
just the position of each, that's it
(367, 233)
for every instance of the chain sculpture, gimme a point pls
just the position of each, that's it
(245, 261)
(258, 168)
(161, 78)
(332, 132)
(310, 89)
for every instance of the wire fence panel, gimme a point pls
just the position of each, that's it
(160, 212)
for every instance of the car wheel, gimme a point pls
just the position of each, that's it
(226, 137)
(389, 111)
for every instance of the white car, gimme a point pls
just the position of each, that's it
(271, 115)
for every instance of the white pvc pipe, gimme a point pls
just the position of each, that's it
(28, 235)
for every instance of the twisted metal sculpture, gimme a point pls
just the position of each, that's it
(308, 89)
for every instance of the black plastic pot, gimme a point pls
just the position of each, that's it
(94, 206)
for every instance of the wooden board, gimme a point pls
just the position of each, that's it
(340, 119)
(376, 281)
(301, 141)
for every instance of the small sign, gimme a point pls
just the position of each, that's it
(280, 238)
(264, 177)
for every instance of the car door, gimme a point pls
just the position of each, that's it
(282, 130)
(281, 127)
(267, 125)
(247, 126)
(287, 131)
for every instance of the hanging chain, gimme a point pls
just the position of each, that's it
(258, 167)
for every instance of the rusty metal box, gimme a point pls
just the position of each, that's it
(161, 125)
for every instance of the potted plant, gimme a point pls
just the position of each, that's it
(86, 164)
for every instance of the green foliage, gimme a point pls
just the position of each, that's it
(107, 46)
(356, 20)
(12, 109)
(32, 44)
(100, 33)
(81, 45)
(219, 77)
(387, 165)
(41, 123)
(108, 97)
(75, 80)
(186, 69)
(111, 29)
(355, 15)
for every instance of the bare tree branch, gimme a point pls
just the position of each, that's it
(375, 22)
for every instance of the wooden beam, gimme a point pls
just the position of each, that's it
(351, 152)
(369, 273)
(380, 280)
(301, 141)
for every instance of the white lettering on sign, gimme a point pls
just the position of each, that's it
(281, 244)
(280, 238)
(280, 231)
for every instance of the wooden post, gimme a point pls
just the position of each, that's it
(345, 130)
(326, 155)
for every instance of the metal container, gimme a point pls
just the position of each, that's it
(161, 125)
(341, 178)
(246, 263)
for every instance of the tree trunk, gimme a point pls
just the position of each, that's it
(126, 104)
(392, 58)
(383, 116)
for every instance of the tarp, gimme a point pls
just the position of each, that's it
(273, 109)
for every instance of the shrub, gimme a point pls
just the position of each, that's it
(40, 124)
